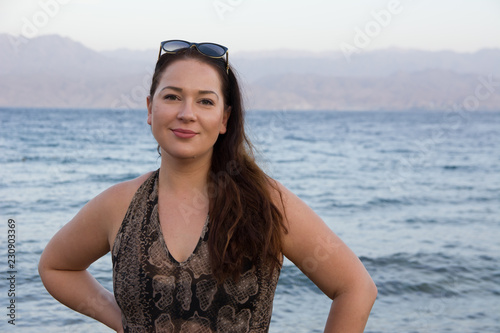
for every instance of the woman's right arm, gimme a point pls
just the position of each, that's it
(87, 237)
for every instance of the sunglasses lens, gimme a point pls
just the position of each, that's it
(211, 50)
(175, 45)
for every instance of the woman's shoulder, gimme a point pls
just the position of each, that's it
(295, 211)
(124, 191)
(112, 204)
(94, 227)
(117, 198)
(279, 193)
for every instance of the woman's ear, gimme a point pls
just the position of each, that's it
(225, 118)
(150, 107)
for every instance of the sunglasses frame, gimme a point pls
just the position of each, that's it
(197, 46)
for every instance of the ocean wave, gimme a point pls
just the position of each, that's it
(292, 137)
(404, 275)
(111, 178)
(387, 202)
(459, 167)
(434, 274)
(397, 287)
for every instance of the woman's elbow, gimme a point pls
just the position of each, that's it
(46, 266)
(43, 266)
(372, 291)
(365, 290)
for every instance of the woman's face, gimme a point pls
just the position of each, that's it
(187, 111)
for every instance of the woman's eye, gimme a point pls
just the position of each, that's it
(207, 102)
(170, 97)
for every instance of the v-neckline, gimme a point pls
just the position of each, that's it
(160, 231)
(165, 246)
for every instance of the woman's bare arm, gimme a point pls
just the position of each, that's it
(87, 237)
(330, 264)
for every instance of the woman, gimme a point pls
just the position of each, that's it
(197, 245)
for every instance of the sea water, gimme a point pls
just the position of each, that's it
(416, 195)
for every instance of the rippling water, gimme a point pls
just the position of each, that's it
(415, 195)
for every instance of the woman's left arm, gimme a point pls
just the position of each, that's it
(312, 246)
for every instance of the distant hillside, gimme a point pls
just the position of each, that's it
(52, 71)
(424, 90)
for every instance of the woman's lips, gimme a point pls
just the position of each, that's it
(183, 133)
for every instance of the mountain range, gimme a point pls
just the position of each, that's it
(57, 72)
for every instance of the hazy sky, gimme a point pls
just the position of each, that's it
(242, 25)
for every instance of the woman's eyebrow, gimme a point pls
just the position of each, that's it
(172, 88)
(201, 92)
(205, 92)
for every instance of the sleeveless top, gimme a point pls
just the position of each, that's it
(158, 294)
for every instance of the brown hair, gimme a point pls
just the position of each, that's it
(245, 224)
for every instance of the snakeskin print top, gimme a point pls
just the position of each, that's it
(158, 294)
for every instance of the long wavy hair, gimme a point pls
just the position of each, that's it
(245, 223)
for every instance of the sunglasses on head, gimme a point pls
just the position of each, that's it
(211, 50)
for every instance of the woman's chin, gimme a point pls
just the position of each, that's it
(185, 155)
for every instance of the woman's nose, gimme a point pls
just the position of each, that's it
(186, 112)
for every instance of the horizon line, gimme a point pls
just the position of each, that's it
(241, 51)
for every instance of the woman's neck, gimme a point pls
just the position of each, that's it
(181, 177)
